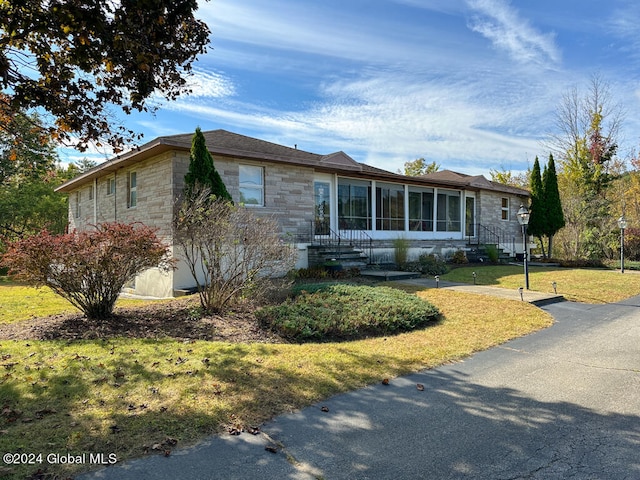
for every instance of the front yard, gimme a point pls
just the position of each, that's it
(157, 377)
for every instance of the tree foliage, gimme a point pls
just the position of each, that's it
(554, 218)
(537, 208)
(587, 127)
(89, 268)
(202, 172)
(228, 249)
(507, 177)
(76, 59)
(418, 167)
(28, 177)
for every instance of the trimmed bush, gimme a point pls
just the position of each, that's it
(459, 258)
(341, 311)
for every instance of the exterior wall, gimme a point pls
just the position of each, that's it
(288, 190)
(154, 198)
(288, 197)
(154, 208)
(489, 213)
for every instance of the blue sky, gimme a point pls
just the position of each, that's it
(470, 84)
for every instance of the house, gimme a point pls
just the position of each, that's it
(317, 200)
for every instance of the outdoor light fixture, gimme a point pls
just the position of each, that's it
(555, 287)
(474, 277)
(437, 277)
(622, 223)
(523, 220)
(521, 295)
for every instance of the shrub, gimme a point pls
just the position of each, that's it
(229, 249)
(342, 311)
(492, 252)
(88, 268)
(459, 258)
(400, 251)
(432, 265)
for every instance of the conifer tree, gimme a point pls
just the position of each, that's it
(538, 218)
(555, 216)
(202, 172)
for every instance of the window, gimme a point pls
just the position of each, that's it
(78, 200)
(251, 185)
(390, 207)
(323, 207)
(470, 216)
(111, 186)
(505, 209)
(132, 187)
(421, 211)
(354, 204)
(448, 216)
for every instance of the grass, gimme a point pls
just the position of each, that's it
(132, 396)
(580, 285)
(19, 302)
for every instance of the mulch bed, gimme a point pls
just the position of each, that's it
(177, 319)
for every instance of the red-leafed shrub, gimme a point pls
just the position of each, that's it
(88, 268)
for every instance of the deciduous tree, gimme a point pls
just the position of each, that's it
(76, 59)
(419, 167)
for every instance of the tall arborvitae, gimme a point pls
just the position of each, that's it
(202, 172)
(555, 216)
(538, 218)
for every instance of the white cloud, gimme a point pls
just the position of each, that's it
(500, 23)
(209, 84)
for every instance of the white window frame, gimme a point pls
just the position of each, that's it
(504, 210)
(78, 209)
(252, 185)
(132, 189)
(111, 186)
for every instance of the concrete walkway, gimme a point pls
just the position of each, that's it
(537, 298)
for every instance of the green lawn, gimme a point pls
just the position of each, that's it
(136, 397)
(581, 285)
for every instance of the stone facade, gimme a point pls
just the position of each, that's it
(284, 181)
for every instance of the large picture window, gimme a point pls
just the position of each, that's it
(354, 205)
(448, 212)
(251, 180)
(421, 211)
(390, 207)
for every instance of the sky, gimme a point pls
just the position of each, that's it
(473, 85)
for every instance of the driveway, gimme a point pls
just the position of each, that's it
(560, 403)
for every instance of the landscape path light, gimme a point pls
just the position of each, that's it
(523, 220)
(622, 223)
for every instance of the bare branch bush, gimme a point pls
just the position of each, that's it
(230, 251)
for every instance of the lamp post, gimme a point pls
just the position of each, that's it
(523, 220)
(622, 223)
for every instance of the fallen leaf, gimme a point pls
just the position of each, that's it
(324, 408)
(385, 381)
(253, 430)
(271, 448)
(420, 387)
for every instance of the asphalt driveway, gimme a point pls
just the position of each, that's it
(560, 403)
